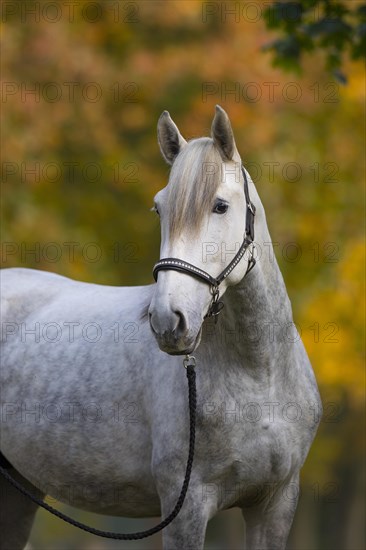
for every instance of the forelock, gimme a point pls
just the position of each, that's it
(194, 179)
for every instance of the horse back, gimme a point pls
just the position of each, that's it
(22, 291)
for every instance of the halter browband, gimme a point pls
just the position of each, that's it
(180, 265)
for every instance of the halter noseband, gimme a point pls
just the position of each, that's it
(180, 265)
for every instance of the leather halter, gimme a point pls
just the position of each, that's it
(181, 265)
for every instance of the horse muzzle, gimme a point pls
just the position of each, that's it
(172, 330)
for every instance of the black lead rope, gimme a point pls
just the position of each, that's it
(189, 363)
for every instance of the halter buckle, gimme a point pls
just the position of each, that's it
(214, 289)
(250, 207)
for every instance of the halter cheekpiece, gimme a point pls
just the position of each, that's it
(181, 265)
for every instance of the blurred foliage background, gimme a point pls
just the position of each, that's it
(83, 84)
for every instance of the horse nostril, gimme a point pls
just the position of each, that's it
(181, 325)
(151, 322)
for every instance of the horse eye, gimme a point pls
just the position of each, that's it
(220, 207)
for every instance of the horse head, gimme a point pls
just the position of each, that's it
(203, 214)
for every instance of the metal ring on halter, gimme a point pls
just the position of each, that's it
(189, 361)
(252, 261)
(215, 306)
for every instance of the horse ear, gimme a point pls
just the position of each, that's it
(222, 134)
(169, 138)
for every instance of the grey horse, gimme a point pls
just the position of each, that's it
(94, 396)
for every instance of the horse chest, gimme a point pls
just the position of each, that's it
(249, 453)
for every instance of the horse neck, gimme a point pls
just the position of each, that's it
(255, 326)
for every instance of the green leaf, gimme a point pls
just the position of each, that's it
(281, 13)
